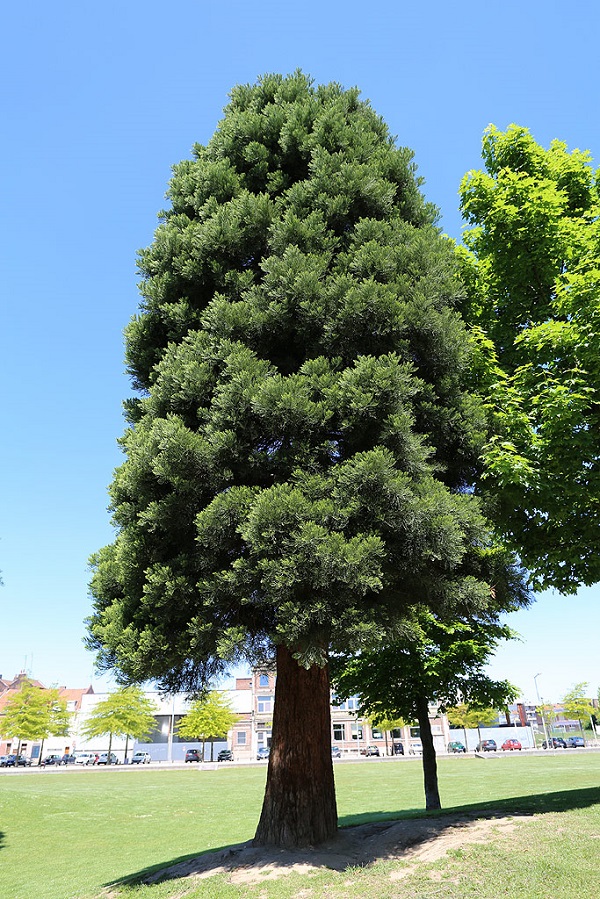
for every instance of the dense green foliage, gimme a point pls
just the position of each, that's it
(442, 662)
(210, 716)
(533, 272)
(34, 713)
(300, 459)
(577, 704)
(126, 712)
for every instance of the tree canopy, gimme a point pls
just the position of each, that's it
(209, 716)
(532, 269)
(34, 713)
(578, 705)
(127, 712)
(301, 451)
(437, 663)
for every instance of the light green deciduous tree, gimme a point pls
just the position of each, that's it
(126, 712)
(532, 266)
(210, 716)
(35, 713)
(578, 705)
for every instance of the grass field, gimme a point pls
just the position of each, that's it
(67, 834)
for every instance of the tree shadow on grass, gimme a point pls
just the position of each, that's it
(1, 840)
(363, 839)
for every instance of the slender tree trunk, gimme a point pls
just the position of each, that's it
(432, 793)
(299, 807)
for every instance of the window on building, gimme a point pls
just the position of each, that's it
(263, 680)
(241, 737)
(357, 732)
(338, 732)
(376, 733)
(415, 731)
(264, 704)
(347, 705)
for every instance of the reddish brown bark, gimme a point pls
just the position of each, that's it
(299, 807)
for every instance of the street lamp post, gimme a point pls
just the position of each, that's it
(541, 709)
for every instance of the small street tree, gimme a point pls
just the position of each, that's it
(209, 716)
(531, 264)
(576, 704)
(468, 715)
(436, 663)
(126, 713)
(302, 448)
(35, 713)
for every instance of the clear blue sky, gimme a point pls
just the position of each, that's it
(99, 101)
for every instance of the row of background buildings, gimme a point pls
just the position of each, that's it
(252, 699)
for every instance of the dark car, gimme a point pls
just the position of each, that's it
(398, 748)
(336, 752)
(13, 761)
(52, 760)
(575, 742)
(263, 753)
(511, 744)
(192, 755)
(225, 755)
(68, 759)
(456, 746)
(554, 743)
(486, 746)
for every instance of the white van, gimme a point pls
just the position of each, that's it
(85, 758)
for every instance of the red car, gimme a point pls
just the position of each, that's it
(511, 744)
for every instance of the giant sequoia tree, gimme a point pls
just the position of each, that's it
(301, 446)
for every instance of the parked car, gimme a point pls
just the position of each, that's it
(554, 743)
(456, 746)
(398, 748)
(3, 760)
(68, 759)
(336, 752)
(370, 750)
(52, 760)
(141, 758)
(192, 755)
(13, 761)
(104, 759)
(85, 758)
(511, 744)
(225, 755)
(263, 753)
(415, 748)
(575, 742)
(486, 746)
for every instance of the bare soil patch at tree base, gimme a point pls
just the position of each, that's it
(413, 841)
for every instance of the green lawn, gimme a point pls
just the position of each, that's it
(64, 835)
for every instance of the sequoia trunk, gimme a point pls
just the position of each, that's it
(430, 778)
(299, 807)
